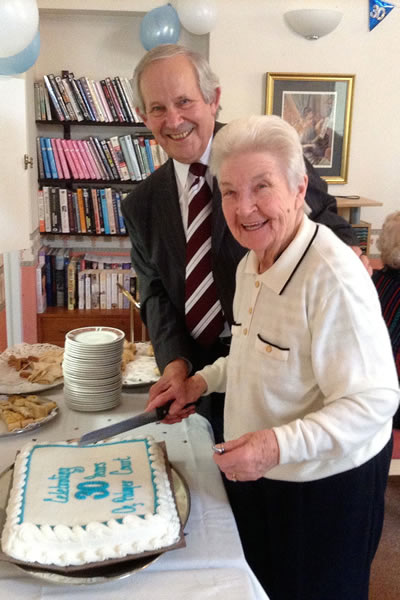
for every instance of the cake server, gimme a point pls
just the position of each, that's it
(142, 419)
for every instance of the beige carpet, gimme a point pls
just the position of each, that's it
(385, 575)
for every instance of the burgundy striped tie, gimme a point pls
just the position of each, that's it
(202, 307)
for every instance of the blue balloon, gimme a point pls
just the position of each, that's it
(24, 60)
(160, 26)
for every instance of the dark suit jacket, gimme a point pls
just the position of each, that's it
(154, 223)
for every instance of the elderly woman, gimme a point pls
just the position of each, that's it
(310, 381)
(387, 281)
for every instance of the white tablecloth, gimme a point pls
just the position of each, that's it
(211, 566)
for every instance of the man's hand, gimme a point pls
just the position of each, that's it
(363, 257)
(174, 385)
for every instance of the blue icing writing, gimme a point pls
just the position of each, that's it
(127, 508)
(128, 491)
(60, 492)
(125, 466)
(99, 471)
(97, 489)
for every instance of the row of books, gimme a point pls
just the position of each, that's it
(95, 211)
(68, 279)
(70, 98)
(119, 158)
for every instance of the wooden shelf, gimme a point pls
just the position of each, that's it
(53, 324)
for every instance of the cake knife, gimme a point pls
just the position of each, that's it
(142, 419)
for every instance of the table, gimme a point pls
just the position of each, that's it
(349, 207)
(212, 564)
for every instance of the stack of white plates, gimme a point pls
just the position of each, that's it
(92, 368)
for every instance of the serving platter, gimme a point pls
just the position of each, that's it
(32, 426)
(111, 572)
(141, 371)
(10, 380)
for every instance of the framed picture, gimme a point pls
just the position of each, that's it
(319, 107)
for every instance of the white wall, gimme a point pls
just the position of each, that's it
(250, 39)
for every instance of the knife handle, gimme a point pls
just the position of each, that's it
(162, 411)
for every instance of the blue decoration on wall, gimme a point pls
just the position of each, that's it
(378, 10)
(24, 60)
(160, 26)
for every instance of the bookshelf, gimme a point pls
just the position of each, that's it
(56, 321)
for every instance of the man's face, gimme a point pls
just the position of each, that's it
(175, 111)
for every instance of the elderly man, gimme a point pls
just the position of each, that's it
(183, 252)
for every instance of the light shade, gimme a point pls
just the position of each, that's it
(313, 23)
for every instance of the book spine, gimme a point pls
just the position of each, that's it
(60, 100)
(109, 100)
(74, 102)
(47, 212)
(103, 157)
(106, 109)
(42, 223)
(115, 100)
(91, 115)
(71, 213)
(68, 156)
(115, 211)
(149, 154)
(126, 155)
(41, 174)
(63, 160)
(154, 154)
(89, 217)
(144, 155)
(139, 157)
(100, 211)
(104, 211)
(124, 100)
(109, 158)
(110, 211)
(121, 222)
(131, 149)
(103, 289)
(89, 97)
(95, 208)
(46, 163)
(64, 210)
(41, 303)
(53, 98)
(86, 160)
(55, 210)
(83, 172)
(96, 100)
(59, 169)
(50, 156)
(64, 95)
(75, 204)
(129, 94)
(120, 101)
(119, 158)
(36, 94)
(81, 207)
(59, 277)
(72, 284)
(79, 97)
(75, 160)
(95, 289)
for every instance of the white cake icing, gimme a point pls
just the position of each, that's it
(72, 505)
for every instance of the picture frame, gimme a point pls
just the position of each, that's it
(320, 109)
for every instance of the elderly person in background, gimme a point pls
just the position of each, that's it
(387, 281)
(310, 381)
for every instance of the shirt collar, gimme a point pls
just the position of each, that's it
(278, 276)
(182, 169)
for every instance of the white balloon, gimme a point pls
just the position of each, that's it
(19, 21)
(197, 16)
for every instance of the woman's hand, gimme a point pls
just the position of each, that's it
(174, 385)
(249, 457)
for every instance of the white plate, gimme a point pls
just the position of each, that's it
(141, 371)
(5, 433)
(94, 336)
(11, 382)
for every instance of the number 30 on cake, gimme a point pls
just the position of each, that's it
(72, 505)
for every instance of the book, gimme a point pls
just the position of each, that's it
(143, 151)
(123, 100)
(110, 211)
(73, 155)
(127, 157)
(62, 158)
(104, 104)
(154, 153)
(139, 157)
(50, 277)
(81, 207)
(95, 209)
(72, 284)
(42, 223)
(114, 98)
(90, 113)
(41, 173)
(51, 159)
(149, 154)
(45, 158)
(60, 276)
(132, 154)
(103, 157)
(71, 213)
(100, 210)
(103, 289)
(55, 210)
(53, 98)
(95, 288)
(87, 159)
(46, 204)
(109, 100)
(75, 205)
(60, 99)
(104, 211)
(68, 157)
(97, 159)
(71, 93)
(107, 154)
(41, 300)
(82, 169)
(65, 96)
(126, 84)
(119, 158)
(59, 169)
(90, 102)
(36, 95)
(96, 100)
(89, 216)
(78, 96)
(63, 199)
(121, 222)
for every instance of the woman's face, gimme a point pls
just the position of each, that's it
(260, 210)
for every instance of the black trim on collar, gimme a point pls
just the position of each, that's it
(301, 259)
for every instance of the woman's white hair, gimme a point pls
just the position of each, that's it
(267, 133)
(206, 78)
(389, 241)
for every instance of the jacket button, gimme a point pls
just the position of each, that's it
(268, 348)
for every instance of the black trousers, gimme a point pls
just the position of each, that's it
(314, 540)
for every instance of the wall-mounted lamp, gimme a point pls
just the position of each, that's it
(313, 23)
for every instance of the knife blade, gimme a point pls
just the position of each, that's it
(142, 419)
